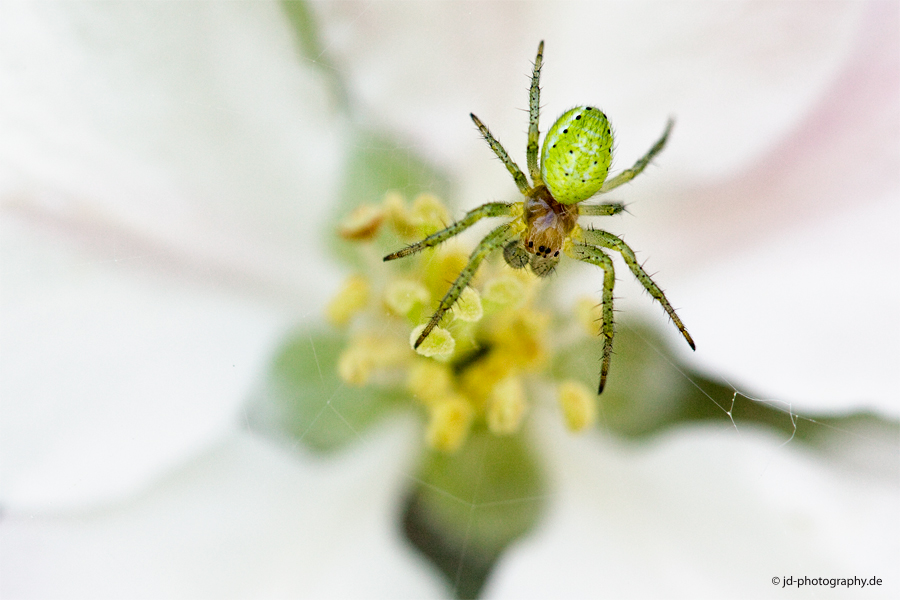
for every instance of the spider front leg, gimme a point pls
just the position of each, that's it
(596, 256)
(495, 239)
(492, 209)
(513, 168)
(534, 109)
(629, 174)
(608, 240)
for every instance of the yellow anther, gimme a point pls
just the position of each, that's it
(430, 214)
(578, 404)
(402, 296)
(506, 406)
(480, 378)
(362, 224)
(468, 307)
(520, 335)
(442, 270)
(398, 215)
(426, 216)
(439, 344)
(429, 381)
(367, 353)
(505, 291)
(353, 297)
(355, 366)
(449, 424)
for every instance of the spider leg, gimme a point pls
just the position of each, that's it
(518, 175)
(596, 256)
(515, 255)
(608, 240)
(600, 210)
(492, 209)
(495, 239)
(534, 108)
(629, 174)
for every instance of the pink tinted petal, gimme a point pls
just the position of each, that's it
(793, 294)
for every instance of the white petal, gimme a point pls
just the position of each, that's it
(164, 168)
(194, 129)
(810, 318)
(702, 513)
(244, 519)
(790, 290)
(109, 374)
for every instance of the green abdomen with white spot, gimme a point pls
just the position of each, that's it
(576, 154)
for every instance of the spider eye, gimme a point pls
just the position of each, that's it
(576, 154)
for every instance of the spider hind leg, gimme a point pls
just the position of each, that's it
(605, 239)
(597, 257)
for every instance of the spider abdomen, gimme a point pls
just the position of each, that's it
(576, 154)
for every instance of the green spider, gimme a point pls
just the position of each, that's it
(575, 160)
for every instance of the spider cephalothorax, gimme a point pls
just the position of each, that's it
(574, 165)
(548, 224)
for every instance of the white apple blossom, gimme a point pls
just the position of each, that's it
(166, 172)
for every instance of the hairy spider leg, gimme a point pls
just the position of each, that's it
(534, 109)
(513, 168)
(629, 174)
(596, 256)
(495, 239)
(600, 210)
(608, 240)
(491, 209)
